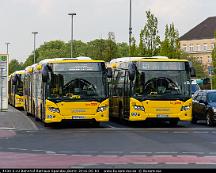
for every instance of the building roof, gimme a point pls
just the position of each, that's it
(205, 30)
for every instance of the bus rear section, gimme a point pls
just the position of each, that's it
(16, 89)
(71, 90)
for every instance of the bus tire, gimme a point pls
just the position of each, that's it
(173, 122)
(209, 119)
(121, 114)
(194, 120)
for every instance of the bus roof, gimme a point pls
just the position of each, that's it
(19, 72)
(69, 60)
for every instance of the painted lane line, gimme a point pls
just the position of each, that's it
(22, 149)
(50, 152)
(145, 163)
(7, 128)
(166, 152)
(212, 153)
(200, 132)
(193, 152)
(179, 132)
(140, 152)
(101, 155)
(205, 163)
(114, 163)
(38, 150)
(113, 152)
(89, 151)
(176, 163)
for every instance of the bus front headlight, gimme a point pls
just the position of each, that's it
(102, 108)
(52, 109)
(185, 108)
(139, 108)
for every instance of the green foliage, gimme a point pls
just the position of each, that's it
(14, 65)
(214, 64)
(134, 49)
(170, 47)
(149, 39)
(200, 73)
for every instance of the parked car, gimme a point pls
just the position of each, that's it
(204, 106)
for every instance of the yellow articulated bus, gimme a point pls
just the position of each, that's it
(15, 89)
(70, 89)
(151, 88)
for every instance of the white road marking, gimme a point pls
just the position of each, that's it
(50, 152)
(193, 152)
(7, 128)
(183, 132)
(113, 152)
(145, 163)
(200, 132)
(176, 163)
(164, 152)
(141, 152)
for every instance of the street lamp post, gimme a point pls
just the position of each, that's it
(130, 28)
(34, 33)
(7, 46)
(71, 14)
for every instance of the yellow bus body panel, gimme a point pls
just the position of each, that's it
(19, 101)
(160, 109)
(77, 110)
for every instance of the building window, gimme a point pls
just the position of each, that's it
(209, 60)
(191, 48)
(205, 47)
(185, 48)
(212, 46)
(198, 48)
(200, 59)
(195, 48)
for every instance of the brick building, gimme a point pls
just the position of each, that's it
(199, 41)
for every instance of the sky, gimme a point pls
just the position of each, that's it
(94, 19)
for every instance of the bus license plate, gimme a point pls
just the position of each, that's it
(78, 117)
(162, 116)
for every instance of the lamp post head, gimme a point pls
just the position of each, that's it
(34, 32)
(71, 14)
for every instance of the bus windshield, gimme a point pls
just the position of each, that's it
(19, 86)
(69, 85)
(163, 85)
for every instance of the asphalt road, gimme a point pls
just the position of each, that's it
(26, 143)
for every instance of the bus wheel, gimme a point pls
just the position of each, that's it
(27, 113)
(173, 122)
(194, 120)
(209, 120)
(96, 124)
(121, 114)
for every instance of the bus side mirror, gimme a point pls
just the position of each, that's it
(14, 80)
(193, 72)
(142, 78)
(131, 71)
(109, 72)
(45, 74)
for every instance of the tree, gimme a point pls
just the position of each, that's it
(214, 64)
(133, 47)
(170, 47)
(14, 65)
(149, 39)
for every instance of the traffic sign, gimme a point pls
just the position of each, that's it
(3, 82)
